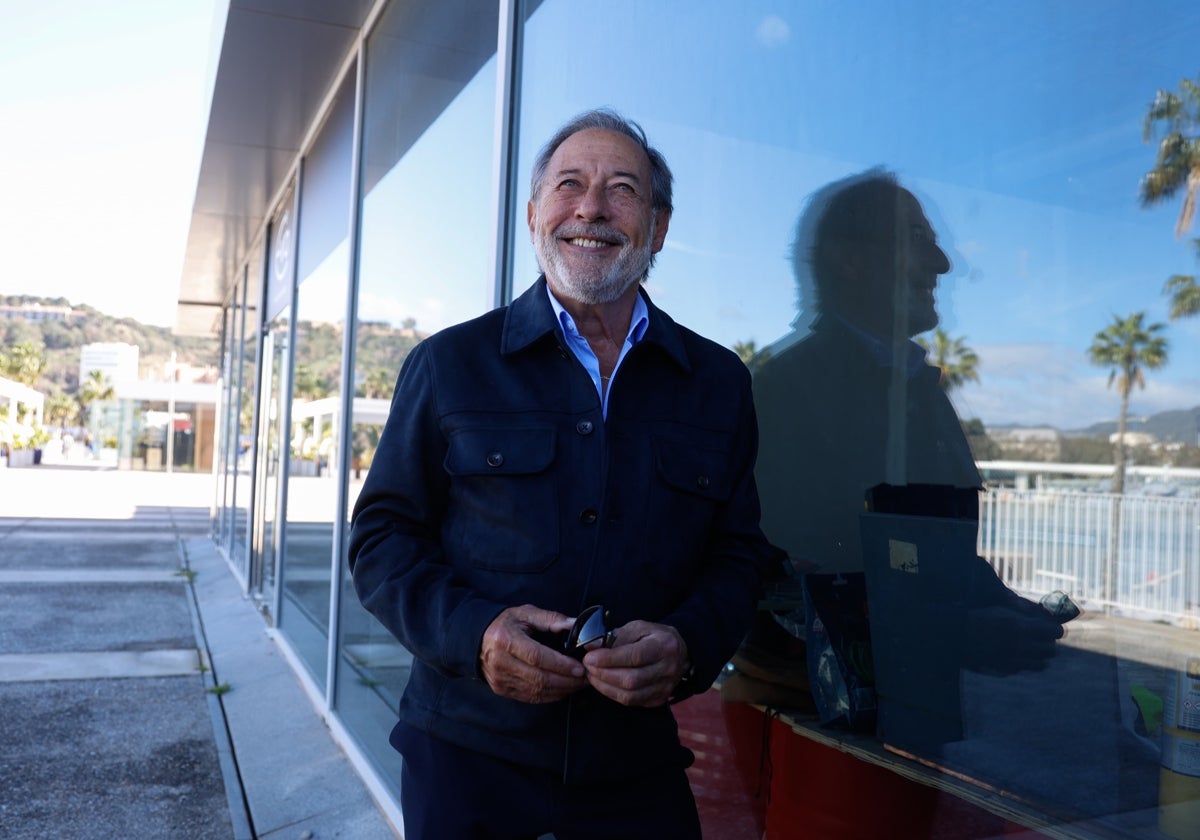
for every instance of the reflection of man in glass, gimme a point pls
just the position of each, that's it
(853, 404)
(574, 449)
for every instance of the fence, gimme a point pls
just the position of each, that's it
(1134, 554)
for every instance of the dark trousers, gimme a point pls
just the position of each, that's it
(451, 793)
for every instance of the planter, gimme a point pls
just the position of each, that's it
(21, 458)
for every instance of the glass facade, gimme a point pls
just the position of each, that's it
(1018, 242)
(435, 135)
(314, 460)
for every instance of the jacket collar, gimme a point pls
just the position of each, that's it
(530, 318)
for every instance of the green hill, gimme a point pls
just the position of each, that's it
(381, 348)
(1180, 426)
(61, 341)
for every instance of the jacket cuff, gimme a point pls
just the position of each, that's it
(464, 635)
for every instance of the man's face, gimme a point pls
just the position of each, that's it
(592, 222)
(899, 263)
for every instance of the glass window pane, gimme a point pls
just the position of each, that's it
(429, 115)
(321, 301)
(230, 348)
(247, 397)
(1021, 251)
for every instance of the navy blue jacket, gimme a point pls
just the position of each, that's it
(497, 482)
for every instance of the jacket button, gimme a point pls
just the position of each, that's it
(702, 482)
(495, 459)
(588, 517)
(584, 427)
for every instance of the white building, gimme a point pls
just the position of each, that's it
(117, 360)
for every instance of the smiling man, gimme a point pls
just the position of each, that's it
(576, 449)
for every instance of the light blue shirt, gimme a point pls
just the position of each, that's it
(578, 345)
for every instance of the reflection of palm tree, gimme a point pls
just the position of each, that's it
(379, 384)
(1177, 164)
(958, 362)
(308, 385)
(1127, 347)
(751, 356)
(1176, 167)
(1184, 295)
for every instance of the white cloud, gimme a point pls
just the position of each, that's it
(1046, 384)
(773, 31)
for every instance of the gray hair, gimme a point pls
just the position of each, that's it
(607, 120)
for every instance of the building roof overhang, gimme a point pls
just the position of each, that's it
(278, 61)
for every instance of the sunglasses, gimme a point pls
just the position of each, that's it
(1060, 605)
(590, 627)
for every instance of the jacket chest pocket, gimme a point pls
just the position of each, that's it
(690, 484)
(503, 508)
(700, 473)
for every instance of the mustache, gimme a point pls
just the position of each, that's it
(571, 230)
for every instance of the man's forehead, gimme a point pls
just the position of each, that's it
(600, 147)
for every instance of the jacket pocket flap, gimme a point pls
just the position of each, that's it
(700, 472)
(500, 451)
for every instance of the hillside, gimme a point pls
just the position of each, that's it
(381, 348)
(62, 340)
(1182, 426)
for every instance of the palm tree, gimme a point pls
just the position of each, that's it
(1128, 347)
(957, 362)
(95, 387)
(23, 362)
(60, 408)
(1184, 295)
(1177, 163)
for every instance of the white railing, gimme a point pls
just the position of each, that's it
(1133, 554)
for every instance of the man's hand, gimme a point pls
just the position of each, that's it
(518, 667)
(1011, 637)
(642, 668)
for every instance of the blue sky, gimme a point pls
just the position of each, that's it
(1017, 123)
(104, 107)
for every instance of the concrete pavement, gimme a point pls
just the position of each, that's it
(120, 622)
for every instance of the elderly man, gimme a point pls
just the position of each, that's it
(576, 448)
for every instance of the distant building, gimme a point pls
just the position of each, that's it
(20, 402)
(1135, 438)
(1036, 443)
(117, 360)
(36, 313)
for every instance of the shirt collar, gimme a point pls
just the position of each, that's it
(638, 321)
(531, 317)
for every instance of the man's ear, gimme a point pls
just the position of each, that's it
(530, 213)
(846, 262)
(662, 220)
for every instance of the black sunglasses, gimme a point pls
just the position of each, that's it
(590, 627)
(1060, 605)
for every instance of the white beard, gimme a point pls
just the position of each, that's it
(593, 284)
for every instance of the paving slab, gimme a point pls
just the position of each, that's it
(54, 617)
(111, 728)
(121, 758)
(37, 667)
